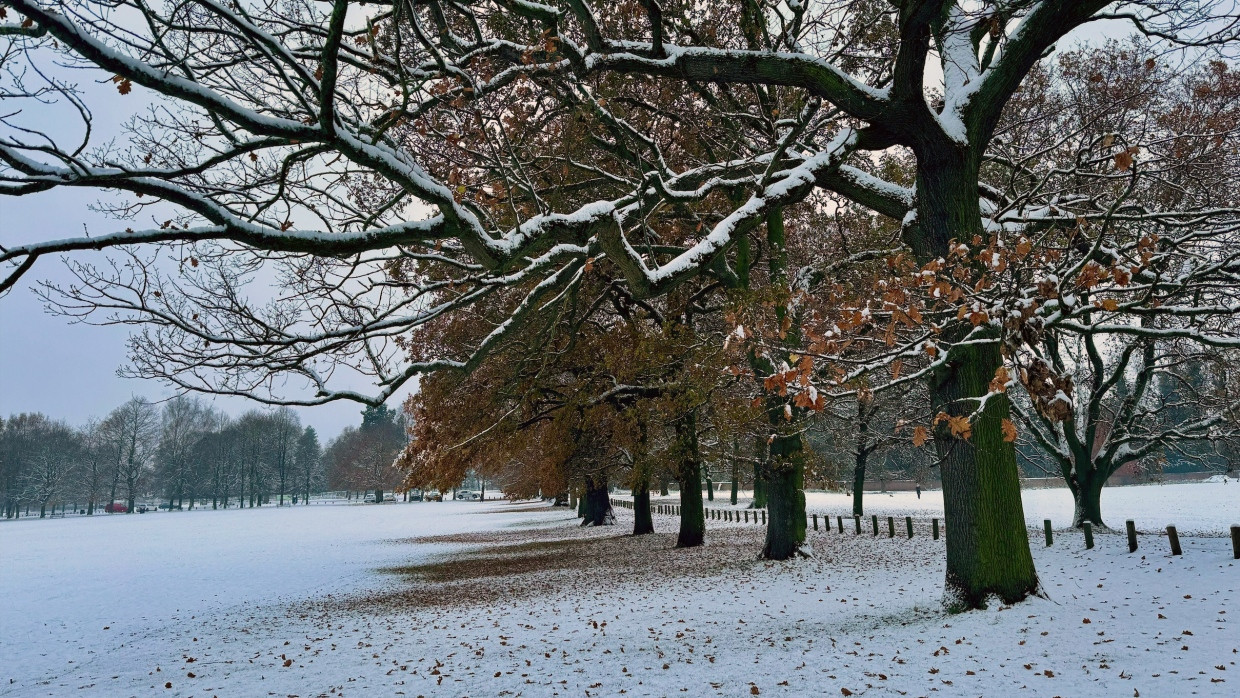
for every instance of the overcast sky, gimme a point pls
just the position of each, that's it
(69, 371)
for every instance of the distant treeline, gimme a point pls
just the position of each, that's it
(184, 454)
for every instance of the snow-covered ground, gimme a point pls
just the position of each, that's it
(1207, 508)
(505, 599)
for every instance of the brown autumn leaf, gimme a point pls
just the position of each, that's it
(960, 427)
(920, 436)
(124, 86)
(1009, 431)
(998, 384)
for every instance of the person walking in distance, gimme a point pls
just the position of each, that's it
(918, 487)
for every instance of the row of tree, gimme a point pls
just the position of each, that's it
(186, 454)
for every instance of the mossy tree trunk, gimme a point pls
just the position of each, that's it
(1087, 501)
(785, 473)
(987, 542)
(784, 470)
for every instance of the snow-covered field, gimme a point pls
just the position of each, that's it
(1201, 508)
(475, 599)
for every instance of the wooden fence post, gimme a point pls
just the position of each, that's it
(815, 522)
(874, 523)
(891, 527)
(1174, 537)
(1089, 535)
(839, 523)
(764, 517)
(857, 521)
(1132, 535)
(908, 523)
(1050, 537)
(935, 523)
(1235, 542)
(746, 516)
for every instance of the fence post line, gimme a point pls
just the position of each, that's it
(935, 523)
(1174, 537)
(1089, 535)
(1131, 527)
(1050, 537)
(908, 522)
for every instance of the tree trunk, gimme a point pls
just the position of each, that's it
(663, 488)
(1087, 498)
(859, 482)
(785, 475)
(643, 522)
(597, 503)
(987, 543)
(378, 496)
(736, 470)
(689, 474)
(581, 505)
(710, 487)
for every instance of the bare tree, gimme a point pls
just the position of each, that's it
(1124, 417)
(54, 464)
(131, 433)
(183, 422)
(308, 458)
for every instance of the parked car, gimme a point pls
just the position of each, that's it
(116, 508)
(434, 496)
(468, 495)
(415, 495)
(370, 498)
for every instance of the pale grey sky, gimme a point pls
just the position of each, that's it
(69, 370)
(65, 370)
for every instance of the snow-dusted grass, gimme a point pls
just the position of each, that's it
(1205, 508)
(498, 599)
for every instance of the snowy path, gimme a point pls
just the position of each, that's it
(496, 599)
